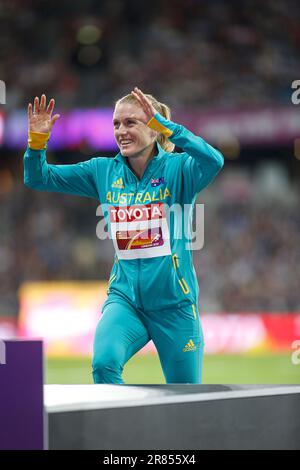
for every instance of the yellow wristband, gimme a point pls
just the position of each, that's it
(157, 126)
(38, 140)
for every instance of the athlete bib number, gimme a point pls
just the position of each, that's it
(140, 231)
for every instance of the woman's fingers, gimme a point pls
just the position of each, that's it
(135, 94)
(39, 117)
(54, 119)
(29, 111)
(138, 91)
(144, 102)
(137, 97)
(142, 105)
(43, 103)
(147, 105)
(50, 106)
(36, 105)
(140, 96)
(39, 106)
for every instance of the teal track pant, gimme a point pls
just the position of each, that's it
(124, 329)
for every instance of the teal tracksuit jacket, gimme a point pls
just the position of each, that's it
(147, 219)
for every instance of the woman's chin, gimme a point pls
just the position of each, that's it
(127, 152)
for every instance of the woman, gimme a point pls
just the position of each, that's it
(153, 289)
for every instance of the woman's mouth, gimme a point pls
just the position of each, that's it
(125, 143)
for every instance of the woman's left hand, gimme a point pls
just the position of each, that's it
(145, 103)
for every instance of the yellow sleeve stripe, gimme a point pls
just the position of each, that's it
(184, 286)
(157, 126)
(38, 140)
(194, 311)
(175, 261)
(112, 278)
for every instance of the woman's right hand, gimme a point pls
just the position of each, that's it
(40, 119)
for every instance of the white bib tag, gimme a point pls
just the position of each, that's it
(140, 231)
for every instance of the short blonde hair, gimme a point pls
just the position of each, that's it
(162, 108)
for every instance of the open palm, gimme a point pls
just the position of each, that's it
(40, 118)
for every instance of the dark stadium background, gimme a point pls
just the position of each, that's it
(207, 60)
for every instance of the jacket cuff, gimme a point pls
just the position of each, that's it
(38, 140)
(157, 126)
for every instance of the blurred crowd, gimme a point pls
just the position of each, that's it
(250, 260)
(190, 53)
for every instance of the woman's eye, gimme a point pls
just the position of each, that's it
(128, 123)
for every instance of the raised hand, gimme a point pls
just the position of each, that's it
(145, 103)
(40, 119)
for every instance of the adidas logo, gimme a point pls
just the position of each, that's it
(118, 184)
(190, 346)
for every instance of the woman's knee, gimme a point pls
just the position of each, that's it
(107, 367)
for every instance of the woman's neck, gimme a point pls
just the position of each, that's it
(139, 163)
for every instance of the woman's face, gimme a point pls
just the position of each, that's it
(132, 135)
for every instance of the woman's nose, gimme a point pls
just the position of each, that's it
(122, 130)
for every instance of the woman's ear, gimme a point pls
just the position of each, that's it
(154, 134)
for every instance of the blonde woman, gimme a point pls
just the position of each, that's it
(153, 290)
